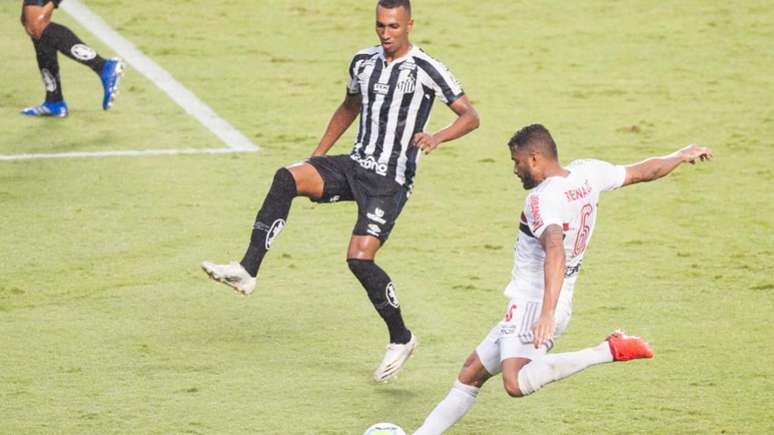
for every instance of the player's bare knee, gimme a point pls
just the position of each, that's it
(34, 24)
(472, 372)
(34, 29)
(472, 381)
(511, 385)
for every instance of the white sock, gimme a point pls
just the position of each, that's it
(551, 368)
(456, 404)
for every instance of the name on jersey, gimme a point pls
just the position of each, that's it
(579, 193)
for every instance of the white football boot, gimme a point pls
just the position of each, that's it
(231, 274)
(394, 358)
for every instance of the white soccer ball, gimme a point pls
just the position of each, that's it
(384, 429)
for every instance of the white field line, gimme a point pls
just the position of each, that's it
(234, 140)
(124, 153)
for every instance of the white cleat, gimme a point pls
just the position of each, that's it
(231, 274)
(394, 358)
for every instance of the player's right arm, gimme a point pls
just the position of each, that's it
(340, 121)
(552, 241)
(657, 167)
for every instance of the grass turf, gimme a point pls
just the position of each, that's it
(108, 326)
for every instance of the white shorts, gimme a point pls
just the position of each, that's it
(512, 337)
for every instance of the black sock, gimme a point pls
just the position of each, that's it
(49, 70)
(63, 39)
(270, 219)
(382, 294)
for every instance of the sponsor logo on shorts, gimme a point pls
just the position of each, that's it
(335, 198)
(377, 216)
(572, 270)
(371, 164)
(48, 80)
(274, 231)
(83, 52)
(374, 230)
(507, 329)
(392, 298)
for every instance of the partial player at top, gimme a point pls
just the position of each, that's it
(49, 38)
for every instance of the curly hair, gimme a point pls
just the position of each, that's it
(534, 137)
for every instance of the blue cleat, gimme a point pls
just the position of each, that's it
(111, 75)
(56, 109)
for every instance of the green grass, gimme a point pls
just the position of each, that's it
(108, 326)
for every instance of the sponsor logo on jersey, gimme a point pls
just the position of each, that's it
(392, 298)
(579, 193)
(451, 76)
(274, 231)
(371, 164)
(377, 216)
(83, 52)
(381, 88)
(408, 65)
(48, 80)
(534, 206)
(374, 230)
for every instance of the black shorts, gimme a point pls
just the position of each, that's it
(41, 2)
(379, 199)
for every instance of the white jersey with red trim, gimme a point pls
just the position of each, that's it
(571, 203)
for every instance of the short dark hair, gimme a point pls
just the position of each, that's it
(392, 4)
(534, 137)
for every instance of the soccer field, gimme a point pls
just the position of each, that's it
(107, 324)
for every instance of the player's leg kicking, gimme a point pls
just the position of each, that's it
(508, 348)
(296, 180)
(48, 38)
(330, 179)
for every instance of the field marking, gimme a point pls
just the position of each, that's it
(120, 153)
(230, 136)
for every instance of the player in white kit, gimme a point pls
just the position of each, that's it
(555, 228)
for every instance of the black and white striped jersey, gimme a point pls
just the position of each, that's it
(396, 103)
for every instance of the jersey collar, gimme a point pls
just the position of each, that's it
(410, 53)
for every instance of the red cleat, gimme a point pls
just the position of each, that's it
(627, 347)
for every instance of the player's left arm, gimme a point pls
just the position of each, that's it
(657, 167)
(552, 240)
(467, 121)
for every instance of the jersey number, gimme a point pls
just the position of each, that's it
(583, 231)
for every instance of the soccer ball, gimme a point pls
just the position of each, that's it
(384, 429)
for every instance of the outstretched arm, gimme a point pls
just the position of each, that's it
(552, 240)
(657, 167)
(340, 121)
(467, 121)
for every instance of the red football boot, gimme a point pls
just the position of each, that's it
(627, 347)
